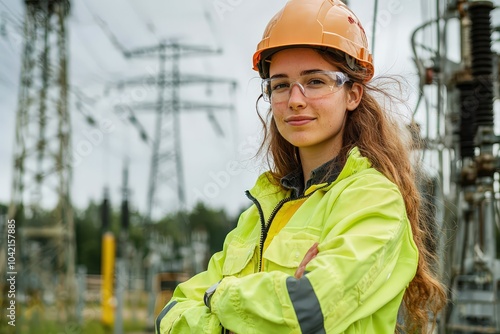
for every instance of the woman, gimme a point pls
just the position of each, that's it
(334, 240)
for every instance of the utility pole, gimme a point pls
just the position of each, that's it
(123, 251)
(42, 157)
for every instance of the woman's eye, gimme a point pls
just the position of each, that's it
(280, 85)
(316, 82)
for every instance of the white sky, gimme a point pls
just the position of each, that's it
(95, 63)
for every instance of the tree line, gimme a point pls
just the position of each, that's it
(88, 225)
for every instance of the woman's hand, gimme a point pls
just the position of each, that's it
(311, 254)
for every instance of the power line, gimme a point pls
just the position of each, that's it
(8, 81)
(15, 15)
(211, 23)
(147, 22)
(92, 54)
(105, 29)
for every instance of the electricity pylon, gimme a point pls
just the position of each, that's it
(40, 198)
(166, 156)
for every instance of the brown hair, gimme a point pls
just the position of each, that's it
(379, 138)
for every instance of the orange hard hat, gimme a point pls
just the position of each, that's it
(324, 24)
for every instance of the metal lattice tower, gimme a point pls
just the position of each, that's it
(40, 198)
(166, 160)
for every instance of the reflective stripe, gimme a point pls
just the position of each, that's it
(162, 314)
(306, 305)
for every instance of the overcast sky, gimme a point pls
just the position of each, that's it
(218, 169)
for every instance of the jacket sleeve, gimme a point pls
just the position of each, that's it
(366, 238)
(186, 311)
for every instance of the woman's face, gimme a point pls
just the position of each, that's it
(313, 124)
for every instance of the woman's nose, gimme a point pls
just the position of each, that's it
(297, 98)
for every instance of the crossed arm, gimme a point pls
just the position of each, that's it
(371, 236)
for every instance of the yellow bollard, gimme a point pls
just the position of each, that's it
(107, 272)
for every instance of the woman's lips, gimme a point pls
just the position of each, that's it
(299, 121)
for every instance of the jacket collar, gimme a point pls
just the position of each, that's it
(268, 189)
(326, 173)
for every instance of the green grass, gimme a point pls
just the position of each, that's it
(37, 323)
(51, 327)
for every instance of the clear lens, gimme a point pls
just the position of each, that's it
(312, 85)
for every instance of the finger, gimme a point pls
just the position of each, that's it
(299, 272)
(311, 254)
(315, 247)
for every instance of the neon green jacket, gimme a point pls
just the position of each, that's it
(355, 284)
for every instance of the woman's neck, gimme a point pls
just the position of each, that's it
(312, 159)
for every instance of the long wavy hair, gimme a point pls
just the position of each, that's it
(387, 145)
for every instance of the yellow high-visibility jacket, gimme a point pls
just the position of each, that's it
(367, 257)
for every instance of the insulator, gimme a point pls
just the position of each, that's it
(125, 215)
(49, 5)
(468, 110)
(482, 60)
(483, 92)
(105, 213)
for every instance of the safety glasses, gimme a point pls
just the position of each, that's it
(313, 85)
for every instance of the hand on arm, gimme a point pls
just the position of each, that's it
(311, 254)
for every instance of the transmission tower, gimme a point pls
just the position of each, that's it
(40, 198)
(166, 158)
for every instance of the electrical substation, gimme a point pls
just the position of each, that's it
(455, 52)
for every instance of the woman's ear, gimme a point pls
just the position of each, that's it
(354, 96)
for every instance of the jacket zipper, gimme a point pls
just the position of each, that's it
(263, 229)
(266, 226)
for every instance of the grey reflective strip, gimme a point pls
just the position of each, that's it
(162, 314)
(306, 305)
